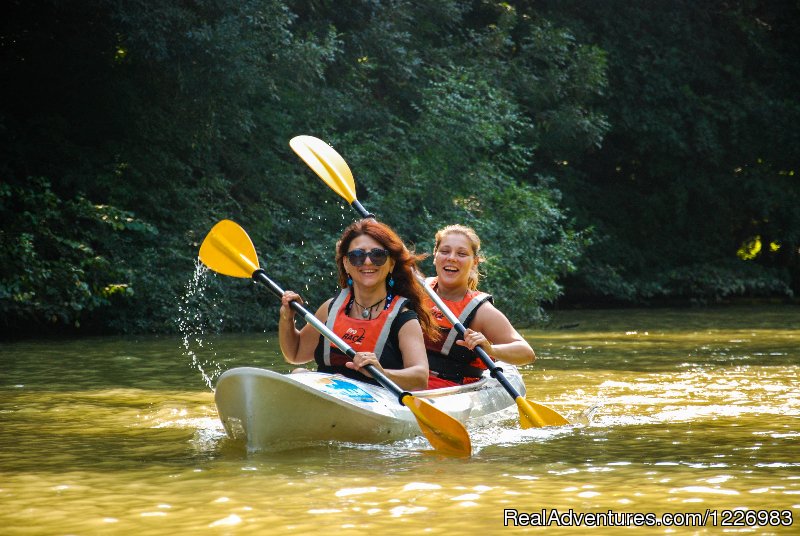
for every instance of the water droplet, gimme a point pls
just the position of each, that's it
(196, 322)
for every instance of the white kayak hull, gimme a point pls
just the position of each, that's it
(265, 409)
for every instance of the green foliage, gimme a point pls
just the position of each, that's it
(702, 152)
(464, 148)
(711, 283)
(663, 132)
(57, 262)
(529, 247)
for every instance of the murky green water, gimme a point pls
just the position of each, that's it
(693, 411)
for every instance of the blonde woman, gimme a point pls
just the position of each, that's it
(456, 257)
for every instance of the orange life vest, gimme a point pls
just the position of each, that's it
(446, 359)
(361, 335)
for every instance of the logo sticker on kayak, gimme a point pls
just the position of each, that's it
(349, 390)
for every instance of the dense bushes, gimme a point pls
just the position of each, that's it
(572, 135)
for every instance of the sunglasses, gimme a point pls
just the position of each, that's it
(358, 257)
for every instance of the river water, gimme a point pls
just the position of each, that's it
(679, 412)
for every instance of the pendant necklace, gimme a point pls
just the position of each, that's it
(366, 312)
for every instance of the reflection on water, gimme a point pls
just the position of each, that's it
(678, 411)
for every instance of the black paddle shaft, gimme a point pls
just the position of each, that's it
(261, 276)
(364, 213)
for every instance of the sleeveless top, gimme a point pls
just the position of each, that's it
(379, 335)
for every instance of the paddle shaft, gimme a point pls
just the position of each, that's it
(261, 276)
(358, 207)
(495, 371)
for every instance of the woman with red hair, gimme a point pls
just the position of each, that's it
(379, 312)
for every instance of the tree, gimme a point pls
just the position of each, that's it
(701, 156)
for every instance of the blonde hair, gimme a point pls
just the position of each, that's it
(475, 244)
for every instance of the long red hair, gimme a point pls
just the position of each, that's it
(405, 283)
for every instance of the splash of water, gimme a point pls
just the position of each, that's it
(197, 319)
(586, 416)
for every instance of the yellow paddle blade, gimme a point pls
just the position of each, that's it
(532, 414)
(326, 163)
(228, 250)
(446, 434)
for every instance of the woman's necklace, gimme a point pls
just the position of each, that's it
(366, 312)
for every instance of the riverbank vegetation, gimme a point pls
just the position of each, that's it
(607, 152)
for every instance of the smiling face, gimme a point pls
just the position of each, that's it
(454, 260)
(367, 275)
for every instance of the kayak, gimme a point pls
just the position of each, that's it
(264, 409)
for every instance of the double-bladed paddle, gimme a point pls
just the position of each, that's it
(334, 171)
(228, 250)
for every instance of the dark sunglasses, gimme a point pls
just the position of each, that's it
(358, 257)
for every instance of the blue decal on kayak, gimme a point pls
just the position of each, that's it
(351, 391)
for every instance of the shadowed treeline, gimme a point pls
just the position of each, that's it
(605, 151)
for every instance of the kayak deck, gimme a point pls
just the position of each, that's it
(265, 409)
